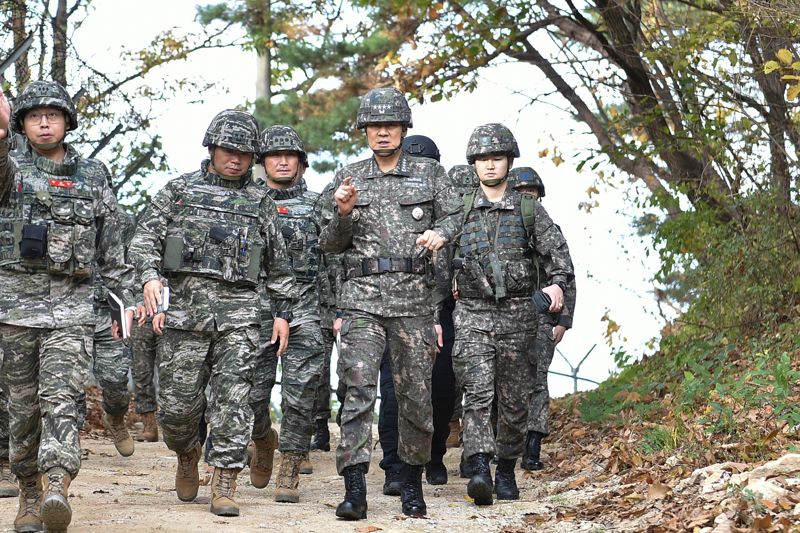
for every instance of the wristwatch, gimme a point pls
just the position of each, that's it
(286, 315)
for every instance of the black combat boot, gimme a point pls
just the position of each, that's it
(392, 483)
(464, 468)
(411, 493)
(479, 487)
(354, 506)
(322, 437)
(533, 448)
(505, 484)
(436, 472)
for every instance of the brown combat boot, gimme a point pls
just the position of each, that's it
(30, 501)
(223, 487)
(305, 466)
(123, 442)
(56, 512)
(187, 479)
(150, 429)
(8, 483)
(288, 481)
(263, 458)
(454, 438)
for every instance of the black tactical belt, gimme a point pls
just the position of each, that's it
(378, 265)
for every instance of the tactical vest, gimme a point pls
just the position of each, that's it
(500, 263)
(299, 230)
(214, 232)
(48, 225)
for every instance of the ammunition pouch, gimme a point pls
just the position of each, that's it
(33, 243)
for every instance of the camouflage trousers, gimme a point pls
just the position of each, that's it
(412, 348)
(491, 363)
(264, 371)
(143, 342)
(3, 421)
(187, 362)
(540, 358)
(44, 372)
(112, 362)
(322, 403)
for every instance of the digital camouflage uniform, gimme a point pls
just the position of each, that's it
(494, 316)
(214, 241)
(386, 297)
(302, 362)
(112, 359)
(143, 368)
(46, 313)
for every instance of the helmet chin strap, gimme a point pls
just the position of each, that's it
(493, 183)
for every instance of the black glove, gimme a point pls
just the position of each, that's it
(541, 302)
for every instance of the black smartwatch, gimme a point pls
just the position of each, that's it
(286, 315)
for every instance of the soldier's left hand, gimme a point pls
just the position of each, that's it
(115, 329)
(558, 333)
(439, 337)
(431, 240)
(280, 330)
(556, 298)
(158, 323)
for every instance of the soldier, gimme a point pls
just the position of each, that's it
(143, 368)
(442, 378)
(8, 483)
(212, 235)
(112, 360)
(552, 327)
(58, 218)
(494, 316)
(284, 158)
(390, 211)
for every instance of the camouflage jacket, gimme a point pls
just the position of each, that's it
(299, 222)
(497, 229)
(385, 272)
(570, 297)
(188, 209)
(73, 201)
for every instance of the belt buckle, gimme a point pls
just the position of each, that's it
(384, 264)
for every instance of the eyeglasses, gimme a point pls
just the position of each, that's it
(35, 117)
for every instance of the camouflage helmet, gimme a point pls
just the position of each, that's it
(235, 130)
(282, 139)
(43, 94)
(526, 177)
(491, 139)
(421, 146)
(382, 105)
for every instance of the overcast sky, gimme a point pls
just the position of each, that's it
(612, 269)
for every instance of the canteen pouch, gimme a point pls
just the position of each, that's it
(33, 244)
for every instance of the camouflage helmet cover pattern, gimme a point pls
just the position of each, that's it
(234, 130)
(43, 94)
(526, 177)
(421, 146)
(491, 139)
(280, 138)
(383, 105)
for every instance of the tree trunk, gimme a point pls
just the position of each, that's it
(58, 68)
(19, 11)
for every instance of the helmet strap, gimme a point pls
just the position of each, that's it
(493, 183)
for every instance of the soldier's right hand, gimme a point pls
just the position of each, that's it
(5, 115)
(152, 296)
(346, 196)
(158, 323)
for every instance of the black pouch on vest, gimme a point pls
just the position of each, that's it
(33, 244)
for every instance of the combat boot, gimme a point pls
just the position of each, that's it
(305, 465)
(56, 512)
(322, 437)
(187, 479)
(533, 449)
(123, 442)
(436, 472)
(8, 484)
(150, 429)
(223, 488)
(505, 484)
(464, 468)
(392, 483)
(288, 482)
(354, 506)
(454, 438)
(263, 458)
(29, 516)
(479, 487)
(411, 493)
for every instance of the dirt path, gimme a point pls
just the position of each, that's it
(137, 495)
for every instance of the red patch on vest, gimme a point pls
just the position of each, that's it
(283, 210)
(62, 183)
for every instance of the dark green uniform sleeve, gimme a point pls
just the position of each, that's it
(337, 231)
(551, 247)
(147, 246)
